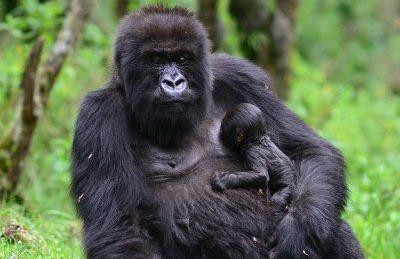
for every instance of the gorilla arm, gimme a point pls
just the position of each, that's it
(320, 191)
(106, 185)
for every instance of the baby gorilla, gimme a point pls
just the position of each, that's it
(243, 130)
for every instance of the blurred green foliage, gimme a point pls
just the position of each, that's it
(346, 76)
(31, 19)
(364, 124)
(349, 40)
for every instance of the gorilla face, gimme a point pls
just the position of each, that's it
(163, 64)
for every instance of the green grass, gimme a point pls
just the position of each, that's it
(47, 233)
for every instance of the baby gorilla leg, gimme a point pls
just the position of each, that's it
(281, 172)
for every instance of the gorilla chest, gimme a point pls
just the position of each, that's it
(190, 212)
(197, 154)
(161, 165)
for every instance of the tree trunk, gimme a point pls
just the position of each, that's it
(281, 32)
(267, 37)
(29, 117)
(207, 13)
(121, 7)
(9, 6)
(15, 147)
(251, 19)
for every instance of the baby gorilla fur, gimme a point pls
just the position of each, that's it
(243, 129)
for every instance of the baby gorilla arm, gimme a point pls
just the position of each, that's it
(231, 180)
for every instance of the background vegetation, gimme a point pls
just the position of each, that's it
(345, 84)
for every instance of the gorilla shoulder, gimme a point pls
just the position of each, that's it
(233, 71)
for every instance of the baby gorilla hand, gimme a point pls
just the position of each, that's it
(231, 180)
(220, 181)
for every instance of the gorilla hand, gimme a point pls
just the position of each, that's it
(231, 180)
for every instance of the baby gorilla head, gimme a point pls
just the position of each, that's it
(241, 125)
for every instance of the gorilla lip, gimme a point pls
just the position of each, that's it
(172, 101)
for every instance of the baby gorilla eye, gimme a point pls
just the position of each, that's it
(239, 136)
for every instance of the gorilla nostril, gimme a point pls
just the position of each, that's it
(168, 82)
(179, 81)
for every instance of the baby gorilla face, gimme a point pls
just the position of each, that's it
(241, 125)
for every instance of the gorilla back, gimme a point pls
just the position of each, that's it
(146, 145)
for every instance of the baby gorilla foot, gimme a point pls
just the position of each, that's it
(281, 199)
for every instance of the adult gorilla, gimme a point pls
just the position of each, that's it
(146, 147)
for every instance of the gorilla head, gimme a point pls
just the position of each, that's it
(162, 61)
(241, 124)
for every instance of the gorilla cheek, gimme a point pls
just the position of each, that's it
(139, 89)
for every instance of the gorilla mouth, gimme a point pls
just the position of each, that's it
(177, 103)
(175, 107)
(172, 101)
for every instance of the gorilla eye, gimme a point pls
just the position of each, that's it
(157, 60)
(182, 60)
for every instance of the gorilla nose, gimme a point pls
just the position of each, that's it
(173, 84)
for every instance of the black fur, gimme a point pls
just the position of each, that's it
(244, 129)
(242, 125)
(142, 170)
